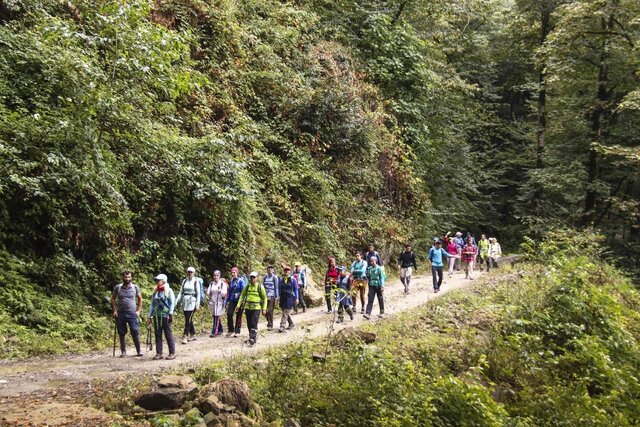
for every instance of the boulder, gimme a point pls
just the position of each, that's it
(318, 357)
(237, 420)
(352, 335)
(171, 392)
(211, 420)
(232, 393)
(211, 404)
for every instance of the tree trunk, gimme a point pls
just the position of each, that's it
(597, 130)
(545, 16)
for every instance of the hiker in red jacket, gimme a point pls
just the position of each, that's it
(330, 281)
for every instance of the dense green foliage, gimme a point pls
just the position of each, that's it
(153, 135)
(555, 343)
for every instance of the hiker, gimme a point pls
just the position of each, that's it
(436, 255)
(161, 311)
(375, 275)
(359, 280)
(483, 247)
(254, 301)
(372, 252)
(469, 252)
(330, 280)
(217, 293)
(458, 240)
(343, 295)
(454, 250)
(288, 298)
(407, 261)
(301, 279)
(494, 252)
(126, 301)
(190, 297)
(271, 284)
(231, 302)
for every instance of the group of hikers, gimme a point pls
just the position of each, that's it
(252, 297)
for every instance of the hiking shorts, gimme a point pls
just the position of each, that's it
(406, 272)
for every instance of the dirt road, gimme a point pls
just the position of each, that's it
(70, 378)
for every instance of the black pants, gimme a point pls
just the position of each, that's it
(328, 290)
(253, 317)
(484, 259)
(436, 272)
(188, 323)
(160, 325)
(373, 292)
(131, 319)
(231, 311)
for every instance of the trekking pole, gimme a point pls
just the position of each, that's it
(115, 330)
(149, 342)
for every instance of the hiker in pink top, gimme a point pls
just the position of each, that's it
(453, 249)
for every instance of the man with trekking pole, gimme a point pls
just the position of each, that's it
(126, 301)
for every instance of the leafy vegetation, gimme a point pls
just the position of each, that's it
(555, 342)
(152, 135)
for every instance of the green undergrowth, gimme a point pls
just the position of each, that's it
(552, 343)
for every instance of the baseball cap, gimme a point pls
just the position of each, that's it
(235, 270)
(286, 267)
(253, 274)
(160, 277)
(297, 264)
(191, 270)
(342, 268)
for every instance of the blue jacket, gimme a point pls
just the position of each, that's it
(235, 289)
(272, 287)
(344, 295)
(436, 255)
(288, 292)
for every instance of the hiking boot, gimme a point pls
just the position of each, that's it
(362, 310)
(212, 335)
(123, 354)
(140, 354)
(157, 357)
(229, 334)
(339, 320)
(304, 310)
(351, 315)
(236, 335)
(193, 338)
(381, 315)
(291, 326)
(269, 328)
(281, 329)
(366, 316)
(171, 356)
(184, 340)
(252, 343)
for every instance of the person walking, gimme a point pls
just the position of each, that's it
(458, 240)
(217, 293)
(254, 302)
(126, 301)
(330, 280)
(359, 280)
(436, 256)
(469, 252)
(161, 313)
(483, 256)
(407, 262)
(494, 252)
(271, 284)
(454, 250)
(372, 252)
(301, 278)
(231, 302)
(190, 296)
(343, 295)
(288, 298)
(375, 275)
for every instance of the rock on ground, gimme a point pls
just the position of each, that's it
(171, 392)
(350, 335)
(228, 392)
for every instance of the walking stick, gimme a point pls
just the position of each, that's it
(115, 330)
(149, 341)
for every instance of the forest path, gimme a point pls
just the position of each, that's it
(43, 382)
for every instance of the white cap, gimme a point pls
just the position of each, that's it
(191, 270)
(161, 277)
(253, 274)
